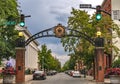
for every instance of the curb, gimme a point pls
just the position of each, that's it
(90, 78)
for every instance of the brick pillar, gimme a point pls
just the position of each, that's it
(20, 65)
(99, 64)
(95, 66)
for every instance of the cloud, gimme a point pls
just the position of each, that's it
(56, 48)
(60, 17)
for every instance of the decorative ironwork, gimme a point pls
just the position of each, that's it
(59, 31)
(45, 33)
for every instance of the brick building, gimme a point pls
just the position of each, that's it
(106, 6)
(112, 7)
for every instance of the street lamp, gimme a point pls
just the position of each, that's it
(20, 42)
(99, 34)
(20, 34)
(99, 41)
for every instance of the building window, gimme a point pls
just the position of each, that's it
(116, 14)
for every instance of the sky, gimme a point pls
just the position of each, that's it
(47, 14)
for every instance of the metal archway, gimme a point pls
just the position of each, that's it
(59, 31)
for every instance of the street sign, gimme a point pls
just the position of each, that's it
(10, 23)
(85, 6)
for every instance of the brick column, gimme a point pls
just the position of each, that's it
(20, 65)
(95, 66)
(99, 64)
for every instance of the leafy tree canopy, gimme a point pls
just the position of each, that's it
(82, 22)
(46, 60)
(8, 34)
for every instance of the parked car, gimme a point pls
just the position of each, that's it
(39, 75)
(71, 73)
(51, 72)
(76, 74)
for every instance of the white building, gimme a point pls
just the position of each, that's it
(31, 53)
(115, 9)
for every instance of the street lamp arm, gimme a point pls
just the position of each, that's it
(102, 11)
(90, 7)
(106, 12)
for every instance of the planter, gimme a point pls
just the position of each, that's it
(8, 79)
(115, 79)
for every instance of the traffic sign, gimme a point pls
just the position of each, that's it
(85, 6)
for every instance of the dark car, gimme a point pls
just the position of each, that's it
(37, 75)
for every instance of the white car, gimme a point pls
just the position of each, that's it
(76, 74)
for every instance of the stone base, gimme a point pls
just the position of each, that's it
(114, 79)
(8, 79)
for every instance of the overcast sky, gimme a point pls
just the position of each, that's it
(48, 13)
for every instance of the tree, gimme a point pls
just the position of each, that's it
(82, 22)
(8, 34)
(116, 63)
(46, 60)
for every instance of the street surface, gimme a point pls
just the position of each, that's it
(61, 78)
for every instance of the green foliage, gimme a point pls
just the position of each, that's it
(8, 34)
(82, 22)
(46, 60)
(8, 7)
(116, 63)
(65, 67)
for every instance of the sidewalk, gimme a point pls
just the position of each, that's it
(27, 79)
(90, 78)
(91, 81)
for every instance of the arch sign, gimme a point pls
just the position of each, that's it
(59, 31)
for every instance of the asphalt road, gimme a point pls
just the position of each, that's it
(61, 78)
